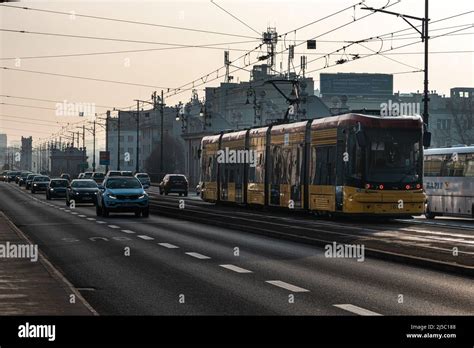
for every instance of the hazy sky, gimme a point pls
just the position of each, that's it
(176, 67)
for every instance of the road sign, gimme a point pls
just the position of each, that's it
(104, 158)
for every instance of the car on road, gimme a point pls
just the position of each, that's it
(3, 175)
(18, 177)
(11, 176)
(126, 173)
(199, 188)
(144, 179)
(98, 177)
(22, 178)
(57, 188)
(82, 191)
(122, 194)
(66, 176)
(113, 173)
(88, 175)
(29, 179)
(39, 183)
(174, 183)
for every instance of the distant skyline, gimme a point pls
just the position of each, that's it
(171, 68)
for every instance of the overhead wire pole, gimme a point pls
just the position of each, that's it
(424, 38)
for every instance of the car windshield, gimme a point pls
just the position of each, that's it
(84, 184)
(58, 183)
(30, 177)
(99, 175)
(41, 178)
(143, 177)
(87, 175)
(393, 155)
(177, 178)
(123, 183)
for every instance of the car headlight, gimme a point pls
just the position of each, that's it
(111, 196)
(35, 185)
(51, 189)
(142, 196)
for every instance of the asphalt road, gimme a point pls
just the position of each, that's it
(174, 261)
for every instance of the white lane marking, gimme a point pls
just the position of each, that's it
(62, 208)
(127, 231)
(113, 226)
(67, 210)
(100, 222)
(91, 219)
(355, 309)
(286, 286)
(145, 237)
(198, 256)
(236, 269)
(74, 213)
(83, 216)
(168, 245)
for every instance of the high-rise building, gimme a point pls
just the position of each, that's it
(26, 153)
(3, 150)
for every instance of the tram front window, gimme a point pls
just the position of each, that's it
(393, 156)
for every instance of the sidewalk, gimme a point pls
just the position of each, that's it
(32, 287)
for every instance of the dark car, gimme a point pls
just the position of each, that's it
(57, 188)
(11, 176)
(81, 191)
(22, 178)
(66, 176)
(122, 194)
(3, 176)
(98, 177)
(39, 183)
(87, 175)
(113, 173)
(29, 179)
(144, 179)
(174, 183)
(126, 173)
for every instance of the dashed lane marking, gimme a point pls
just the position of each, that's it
(236, 269)
(198, 256)
(355, 309)
(287, 286)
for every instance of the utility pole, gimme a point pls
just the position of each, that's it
(138, 136)
(83, 144)
(118, 141)
(107, 138)
(93, 147)
(424, 38)
(162, 105)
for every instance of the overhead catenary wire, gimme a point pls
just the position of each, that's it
(82, 77)
(235, 17)
(74, 14)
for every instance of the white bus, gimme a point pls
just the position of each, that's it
(449, 181)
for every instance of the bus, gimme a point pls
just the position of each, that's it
(351, 164)
(449, 181)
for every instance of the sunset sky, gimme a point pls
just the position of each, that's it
(175, 67)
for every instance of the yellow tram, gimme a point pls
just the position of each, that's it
(346, 164)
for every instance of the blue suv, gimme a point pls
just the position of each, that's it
(122, 194)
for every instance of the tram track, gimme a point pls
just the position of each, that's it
(431, 246)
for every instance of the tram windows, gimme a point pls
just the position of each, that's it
(325, 173)
(354, 165)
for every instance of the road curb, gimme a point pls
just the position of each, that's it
(55, 273)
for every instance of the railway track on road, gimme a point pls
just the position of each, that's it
(447, 247)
